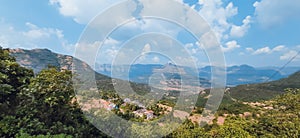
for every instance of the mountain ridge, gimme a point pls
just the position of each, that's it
(236, 75)
(38, 59)
(265, 91)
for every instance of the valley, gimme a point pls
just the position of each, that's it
(249, 104)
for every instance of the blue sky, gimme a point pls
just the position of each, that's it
(258, 33)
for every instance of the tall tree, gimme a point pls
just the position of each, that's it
(13, 78)
(49, 106)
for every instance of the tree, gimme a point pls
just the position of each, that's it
(234, 127)
(188, 130)
(47, 107)
(13, 78)
(284, 119)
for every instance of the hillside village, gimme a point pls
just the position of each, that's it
(139, 110)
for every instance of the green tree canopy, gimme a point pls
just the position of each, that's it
(13, 78)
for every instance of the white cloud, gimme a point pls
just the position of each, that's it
(143, 55)
(278, 48)
(268, 50)
(82, 11)
(146, 49)
(213, 11)
(111, 42)
(189, 45)
(86, 52)
(108, 51)
(35, 32)
(231, 45)
(208, 41)
(192, 49)
(249, 49)
(240, 31)
(217, 16)
(34, 37)
(185, 61)
(274, 12)
(111, 52)
(156, 59)
(264, 50)
(290, 55)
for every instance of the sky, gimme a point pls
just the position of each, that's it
(259, 33)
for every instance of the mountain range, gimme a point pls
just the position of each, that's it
(236, 75)
(242, 76)
(38, 59)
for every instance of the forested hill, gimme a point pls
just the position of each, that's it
(265, 91)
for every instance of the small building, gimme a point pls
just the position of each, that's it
(104, 103)
(148, 113)
(111, 106)
(127, 100)
(140, 112)
(107, 105)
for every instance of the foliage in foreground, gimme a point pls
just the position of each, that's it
(40, 105)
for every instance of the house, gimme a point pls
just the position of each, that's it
(107, 105)
(149, 114)
(141, 112)
(111, 106)
(127, 100)
(104, 103)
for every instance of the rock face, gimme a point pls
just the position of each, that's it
(38, 59)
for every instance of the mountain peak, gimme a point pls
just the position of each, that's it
(41, 50)
(170, 64)
(38, 59)
(245, 66)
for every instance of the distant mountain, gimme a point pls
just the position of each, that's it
(236, 75)
(265, 91)
(143, 73)
(284, 71)
(38, 59)
(244, 74)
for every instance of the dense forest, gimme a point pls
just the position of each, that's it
(43, 105)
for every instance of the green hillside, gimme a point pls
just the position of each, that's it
(39, 59)
(265, 91)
